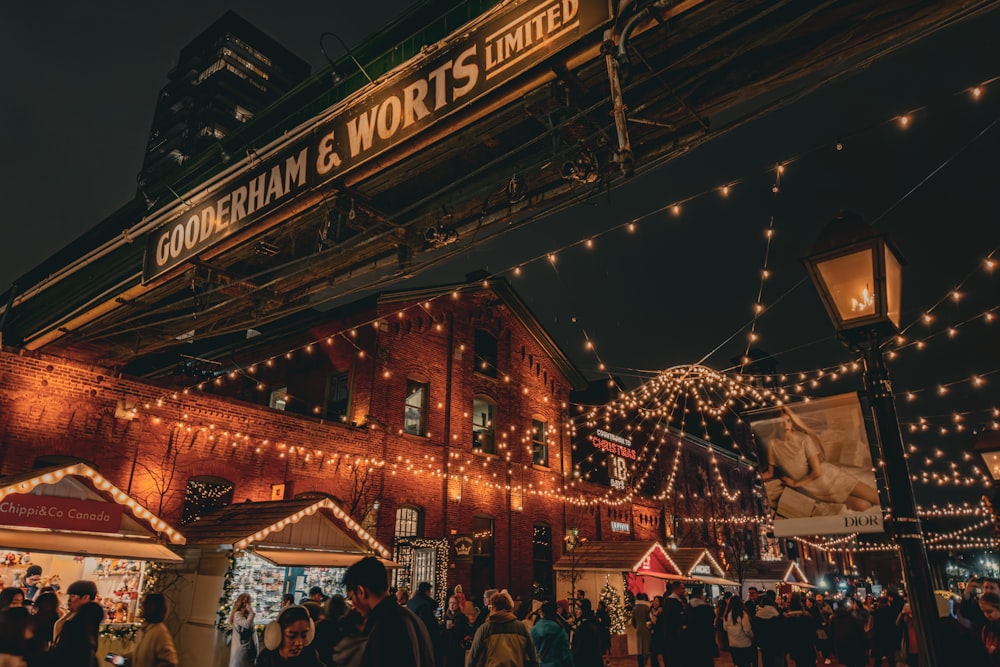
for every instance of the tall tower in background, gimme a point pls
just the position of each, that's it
(227, 74)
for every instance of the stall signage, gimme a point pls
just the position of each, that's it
(619, 527)
(463, 547)
(436, 86)
(19, 509)
(701, 569)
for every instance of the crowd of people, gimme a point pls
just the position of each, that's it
(374, 626)
(36, 630)
(768, 630)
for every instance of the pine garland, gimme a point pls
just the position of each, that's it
(226, 601)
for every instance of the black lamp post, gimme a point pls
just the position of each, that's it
(858, 275)
(988, 447)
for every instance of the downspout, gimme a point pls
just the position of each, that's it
(449, 369)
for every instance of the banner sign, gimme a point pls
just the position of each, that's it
(817, 468)
(463, 71)
(56, 513)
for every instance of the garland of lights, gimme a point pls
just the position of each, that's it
(402, 550)
(226, 599)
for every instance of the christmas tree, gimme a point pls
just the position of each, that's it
(613, 603)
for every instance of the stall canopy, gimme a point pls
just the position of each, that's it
(75, 510)
(767, 573)
(698, 563)
(643, 558)
(304, 532)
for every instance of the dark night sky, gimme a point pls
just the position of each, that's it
(80, 86)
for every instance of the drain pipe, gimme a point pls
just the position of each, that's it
(615, 51)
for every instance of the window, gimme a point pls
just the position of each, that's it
(409, 522)
(338, 395)
(415, 413)
(204, 495)
(279, 399)
(541, 542)
(483, 426)
(482, 553)
(539, 443)
(486, 354)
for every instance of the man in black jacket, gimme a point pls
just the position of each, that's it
(395, 635)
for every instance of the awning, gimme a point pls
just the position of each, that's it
(85, 544)
(312, 557)
(665, 576)
(718, 581)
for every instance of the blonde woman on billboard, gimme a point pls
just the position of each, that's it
(798, 452)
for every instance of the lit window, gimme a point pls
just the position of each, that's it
(483, 425)
(539, 443)
(409, 522)
(279, 399)
(204, 495)
(415, 413)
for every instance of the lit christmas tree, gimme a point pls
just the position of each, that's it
(613, 603)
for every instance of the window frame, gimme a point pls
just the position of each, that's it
(539, 440)
(417, 521)
(486, 361)
(491, 428)
(420, 410)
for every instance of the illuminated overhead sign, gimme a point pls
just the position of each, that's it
(403, 105)
(620, 453)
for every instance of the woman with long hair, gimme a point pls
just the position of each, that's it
(736, 623)
(799, 453)
(243, 646)
(153, 646)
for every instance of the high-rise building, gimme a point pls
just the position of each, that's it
(225, 76)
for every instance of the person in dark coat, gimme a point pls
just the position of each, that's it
(700, 633)
(586, 645)
(847, 635)
(768, 633)
(76, 643)
(884, 633)
(670, 626)
(395, 635)
(457, 634)
(800, 631)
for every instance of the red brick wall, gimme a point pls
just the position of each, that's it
(50, 406)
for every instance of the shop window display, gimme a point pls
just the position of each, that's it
(267, 582)
(119, 581)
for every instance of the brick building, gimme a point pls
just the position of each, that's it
(426, 414)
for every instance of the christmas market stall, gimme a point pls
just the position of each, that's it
(266, 549)
(616, 572)
(781, 576)
(64, 523)
(699, 564)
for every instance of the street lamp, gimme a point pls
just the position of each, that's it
(858, 275)
(988, 447)
(573, 539)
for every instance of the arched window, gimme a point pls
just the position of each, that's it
(484, 425)
(486, 353)
(541, 542)
(205, 494)
(409, 521)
